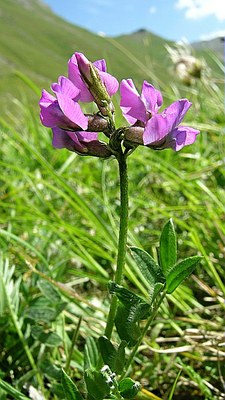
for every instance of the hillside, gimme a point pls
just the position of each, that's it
(216, 45)
(36, 42)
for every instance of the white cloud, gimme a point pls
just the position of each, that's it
(213, 35)
(102, 34)
(195, 9)
(152, 10)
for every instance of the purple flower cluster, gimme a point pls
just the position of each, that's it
(63, 113)
(159, 131)
(87, 82)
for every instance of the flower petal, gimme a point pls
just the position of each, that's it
(83, 143)
(100, 64)
(46, 99)
(87, 136)
(50, 114)
(75, 77)
(84, 66)
(151, 97)
(72, 110)
(180, 137)
(176, 112)
(131, 103)
(65, 87)
(156, 129)
(110, 82)
(65, 92)
(66, 139)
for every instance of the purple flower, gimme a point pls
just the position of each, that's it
(64, 115)
(81, 73)
(152, 129)
(83, 143)
(63, 110)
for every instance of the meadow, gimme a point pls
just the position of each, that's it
(58, 234)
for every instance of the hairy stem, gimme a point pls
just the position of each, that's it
(145, 330)
(121, 255)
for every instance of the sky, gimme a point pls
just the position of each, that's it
(193, 20)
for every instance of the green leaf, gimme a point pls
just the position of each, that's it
(168, 247)
(91, 355)
(108, 351)
(48, 368)
(70, 389)
(48, 338)
(120, 357)
(127, 329)
(128, 388)
(45, 314)
(114, 358)
(125, 295)
(150, 270)
(49, 291)
(130, 311)
(96, 384)
(42, 310)
(181, 271)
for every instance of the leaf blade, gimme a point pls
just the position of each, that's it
(150, 270)
(168, 247)
(181, 271)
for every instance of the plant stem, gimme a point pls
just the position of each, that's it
(148, 323)
(74, 339)
(122, 242)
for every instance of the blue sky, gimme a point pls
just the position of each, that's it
(172, 19)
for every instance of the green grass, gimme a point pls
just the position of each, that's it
(59, 225)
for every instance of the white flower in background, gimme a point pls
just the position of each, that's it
(187, 66)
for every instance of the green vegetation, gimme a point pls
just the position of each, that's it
(59, 224)
(38, 43)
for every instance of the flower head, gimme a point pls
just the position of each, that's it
(76, 131)
(152, 129)
(69, 125)
(187, 66)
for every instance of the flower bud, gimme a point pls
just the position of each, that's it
(96, 148)
(134, 134)
(96, 123)
(84, 67)
(94, 83)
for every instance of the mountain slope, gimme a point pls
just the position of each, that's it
(216, 45)
(38, 43)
